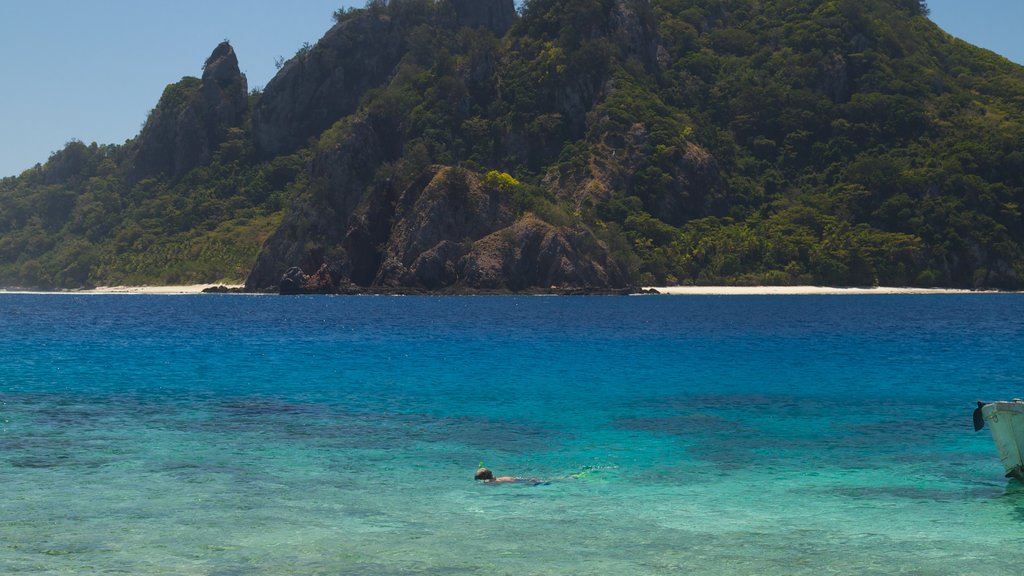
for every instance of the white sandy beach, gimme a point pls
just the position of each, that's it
(166, 290)
(791, 290)
(170, 290)
(190, 289)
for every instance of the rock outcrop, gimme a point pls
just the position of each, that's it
(495, 15)
(435, 225)
(192, 118)
(445, 232)
(316, 225)
(295, 281)
(635, 28)
(535, 254)
(326, 82)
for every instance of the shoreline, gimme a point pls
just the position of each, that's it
(157, 290)
(150, 290)
(194, 289)
(801, 291)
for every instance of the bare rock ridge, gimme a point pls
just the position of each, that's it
(193, 118)
(325, 83)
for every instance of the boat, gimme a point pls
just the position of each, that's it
(1006, 422)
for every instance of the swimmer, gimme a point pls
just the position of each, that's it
(486, 476)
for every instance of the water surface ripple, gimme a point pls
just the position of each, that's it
(767, 435)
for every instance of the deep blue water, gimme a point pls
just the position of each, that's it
(338, 435)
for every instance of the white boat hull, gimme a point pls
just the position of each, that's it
(1006, 421)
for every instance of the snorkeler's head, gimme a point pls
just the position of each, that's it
(483, 474)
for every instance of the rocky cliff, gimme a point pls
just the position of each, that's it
(447, 231)
(326, 82)
(192, 118)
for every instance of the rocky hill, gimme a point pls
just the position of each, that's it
(193, 119)
(579, 145)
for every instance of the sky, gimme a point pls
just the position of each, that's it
(92, 70)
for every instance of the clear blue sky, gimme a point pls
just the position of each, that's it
(93, 69)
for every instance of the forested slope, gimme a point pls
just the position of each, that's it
(578, 145)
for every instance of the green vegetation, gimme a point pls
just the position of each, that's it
(859, 145)
(76, 221)
(839, 142)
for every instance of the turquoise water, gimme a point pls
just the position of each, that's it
(708, 435)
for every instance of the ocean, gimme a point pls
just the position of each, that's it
(261, 435)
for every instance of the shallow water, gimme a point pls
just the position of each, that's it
(709, 435)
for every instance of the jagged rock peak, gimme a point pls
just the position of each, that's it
(193, 118)
(222, 65)
(497, 15)
(224, 91)
(319, 86)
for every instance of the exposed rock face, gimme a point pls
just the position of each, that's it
(325, 83)
(533, 253)
(223, 94)
(313, 226)
(445, 232)
(436, 225)
(295, 281)
(316, 88)
(192, 118)
(496, 15)
(635, 27)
